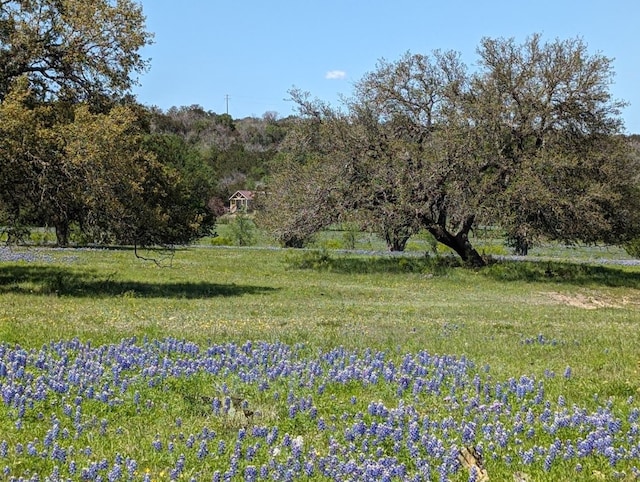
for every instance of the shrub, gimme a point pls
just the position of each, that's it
(633, 248)
(42, 237)
(494, 250)
(331, 244)
(321, 260)
(221, 241)
(242, 230)
(350, 235)
(316, 259)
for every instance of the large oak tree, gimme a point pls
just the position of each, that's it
(100, 172)
(531, 142)
(75, 150)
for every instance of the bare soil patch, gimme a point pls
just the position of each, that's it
(589, 300)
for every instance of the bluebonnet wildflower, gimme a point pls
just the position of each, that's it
(157, 444)
(115, 473)
(250, 473)
(503, 416)
(203, 449)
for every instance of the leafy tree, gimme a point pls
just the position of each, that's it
(72, 142)
(230, 155)
(109, 167)
(367, 186)
(530, 142)
(98, 171)
(416, 103)
(297, 203)
(188, 188)
(239, 150)
(197, 126)
(25, 154)
(174, 153)
(559, 166)
(56, 171)
(72, 50)
(138, 189)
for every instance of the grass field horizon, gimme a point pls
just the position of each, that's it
(570, 327)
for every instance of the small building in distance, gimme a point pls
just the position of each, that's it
(240, 201)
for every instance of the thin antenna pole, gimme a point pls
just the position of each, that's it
(226, 97)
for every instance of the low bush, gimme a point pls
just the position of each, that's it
(221, 241)
(633, 248)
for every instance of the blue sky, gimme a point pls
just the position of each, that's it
(254, 51)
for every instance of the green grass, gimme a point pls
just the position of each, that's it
(231, 294)
(515, 318)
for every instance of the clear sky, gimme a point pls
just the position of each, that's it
(245, 55)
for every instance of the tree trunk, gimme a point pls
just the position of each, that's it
(521, 246)
(293, 241)
(459, 243)
(62, 233)
(395, 241)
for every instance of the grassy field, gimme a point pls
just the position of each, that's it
(114, 368)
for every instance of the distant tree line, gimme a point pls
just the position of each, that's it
(531, 142)
(238, 151)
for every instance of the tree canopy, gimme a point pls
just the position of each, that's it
(72, 50)
(75, 151)
(100, 172)
(530, 142)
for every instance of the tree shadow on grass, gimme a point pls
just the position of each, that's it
(564, 272)
(63, 281)
(372, 264)
(580, 274)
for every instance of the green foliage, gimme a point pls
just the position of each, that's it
(78, 237)
(221, 241)
(25, 144)
(425, 145)
(72, 151)
(95, 174)
(238, 151)
(314, 259)
(72, 50)
(350, 235)
(329, 244)
(242, 230)
(42, 237)
(633, 247)
(493, 250)
(129, 196)
(290, 211)
(16, 234)
(562, 273)
(425, 241)
(184, 192)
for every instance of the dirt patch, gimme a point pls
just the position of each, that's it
(587, 301)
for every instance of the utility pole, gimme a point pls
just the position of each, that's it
(226, 98)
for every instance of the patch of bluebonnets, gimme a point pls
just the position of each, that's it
(429, 406)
